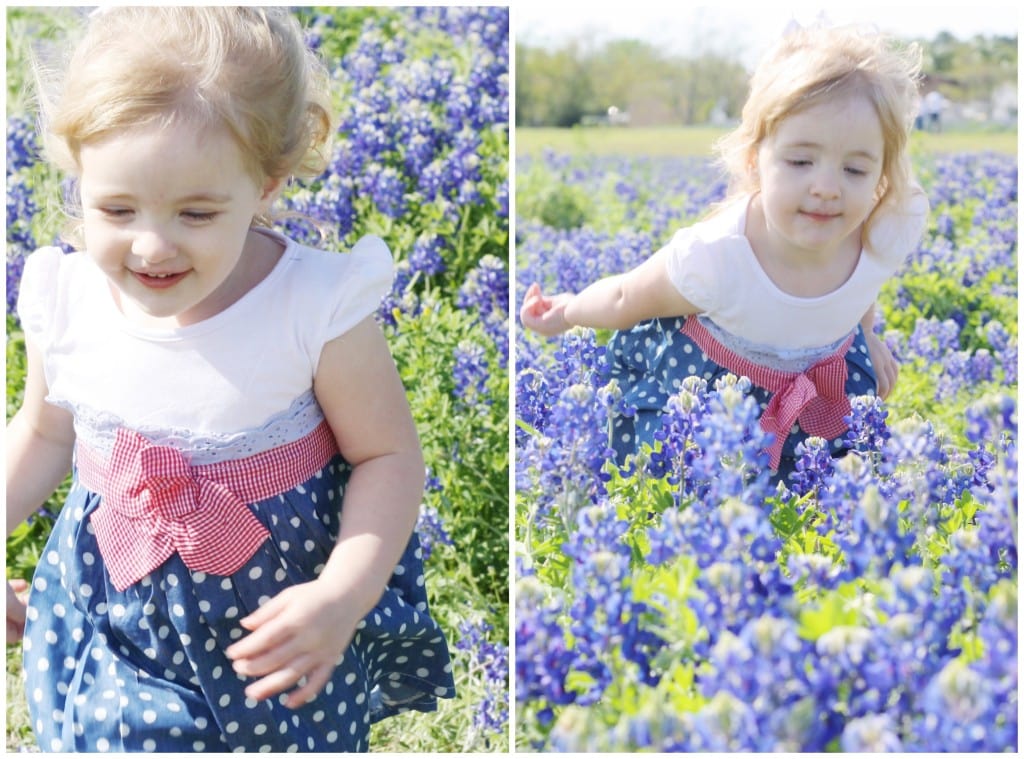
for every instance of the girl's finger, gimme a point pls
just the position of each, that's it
(313, 685)
(268, 635)
(266, 661)
(281, 680)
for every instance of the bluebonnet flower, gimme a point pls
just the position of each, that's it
(486, 289)
(22, 143)
(491, 659)
(868, 430)
(426, 257)
(470, 374)
(431, 531)
(958, 707)
(543, 656)
(388, 190)
(813, 465)
(873, 733)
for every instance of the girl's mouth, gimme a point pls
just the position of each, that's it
(160, 281)
(820, 216)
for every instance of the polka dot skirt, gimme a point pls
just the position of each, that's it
(651, 361)
(144, 669)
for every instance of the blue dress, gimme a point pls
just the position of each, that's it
(144, 669)
(651, 361)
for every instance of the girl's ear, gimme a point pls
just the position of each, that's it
(272, 188)
(752, 173)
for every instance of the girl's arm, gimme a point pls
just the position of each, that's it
(616, 302)
(40, 438)
(886, 369)
(303, 631)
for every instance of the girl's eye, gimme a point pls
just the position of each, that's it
(116, 213)
(199, 215)
(855, 172)
(798, 162)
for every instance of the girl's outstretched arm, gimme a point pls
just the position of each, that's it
(302, 632)
(617, 302)
(39, 441)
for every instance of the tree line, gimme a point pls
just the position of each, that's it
(579, 81)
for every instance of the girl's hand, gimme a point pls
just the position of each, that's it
(886, 369)
(16, 608)
(544, 315)
(298, 634)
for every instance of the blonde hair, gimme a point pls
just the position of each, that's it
(241, 68)
(809, 66)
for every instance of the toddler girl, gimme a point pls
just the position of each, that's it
(220, 391)
(779, 283)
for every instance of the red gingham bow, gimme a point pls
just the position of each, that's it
(155, 505)
(815, 397)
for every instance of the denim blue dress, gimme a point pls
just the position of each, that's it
(651, 361)
(144, 669)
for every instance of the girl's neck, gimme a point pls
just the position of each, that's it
(797, 271)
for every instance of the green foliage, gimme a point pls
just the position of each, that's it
(560, 85)
(464, 441)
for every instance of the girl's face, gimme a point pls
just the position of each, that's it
(819, 173)
(167, 215)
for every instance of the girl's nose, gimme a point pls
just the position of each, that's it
(826, 183)
(152, 246)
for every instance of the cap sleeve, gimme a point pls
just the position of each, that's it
(691, 268)
(37, 293)
(365, 280)
(897, 231)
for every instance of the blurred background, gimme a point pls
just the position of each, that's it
(647, 65)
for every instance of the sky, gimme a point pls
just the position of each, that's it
(746, 29)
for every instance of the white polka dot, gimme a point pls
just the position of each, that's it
(149, 716)
(102, 745)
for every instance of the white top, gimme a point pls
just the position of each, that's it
(714, 268)
(235, 384)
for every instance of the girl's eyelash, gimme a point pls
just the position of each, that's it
(199, 215)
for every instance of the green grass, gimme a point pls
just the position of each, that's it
(663, 142)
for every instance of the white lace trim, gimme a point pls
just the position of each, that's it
(97, 430)
(787, 360)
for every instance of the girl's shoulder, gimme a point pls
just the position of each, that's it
(897, 226)
(338, 289)
(50, 276)
(368, 260)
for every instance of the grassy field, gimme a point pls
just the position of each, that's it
(682, 141)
